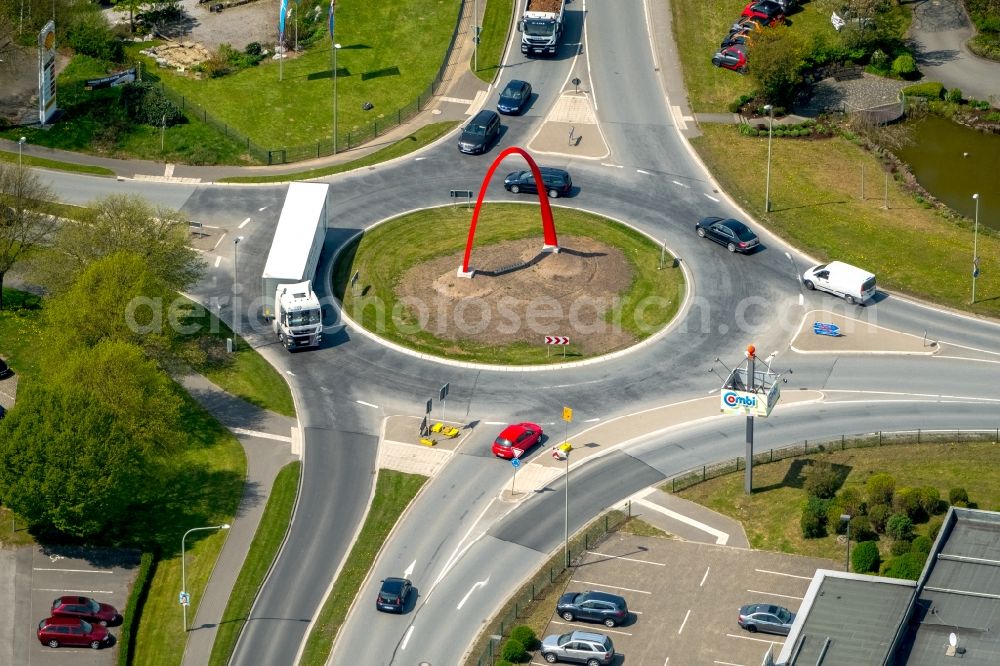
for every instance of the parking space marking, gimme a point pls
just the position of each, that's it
(587, 627)
(107, 571)
(62, 589)
(686, 616)
(627, 559)
(725, 663)
(775, 594)
(781, 573)
(613, 587)
(759, 640)
(704, 578)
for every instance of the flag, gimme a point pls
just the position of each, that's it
(282, 11)
(332, 3)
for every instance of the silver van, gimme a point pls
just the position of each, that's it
(851, 283)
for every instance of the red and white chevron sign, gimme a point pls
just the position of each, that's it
(556, 340)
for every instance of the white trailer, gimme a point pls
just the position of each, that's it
(286, 284)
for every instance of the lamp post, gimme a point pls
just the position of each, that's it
(561, 452)
(975, 248)
(236, 314)
(20, 143)
(336, 47)
(185, 598)
(767, 182)
(846, 518)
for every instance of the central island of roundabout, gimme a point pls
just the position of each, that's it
(601, 288)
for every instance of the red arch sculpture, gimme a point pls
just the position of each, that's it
(548, 226)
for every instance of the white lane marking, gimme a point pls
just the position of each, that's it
(677, 182)
(216, 246)
(593, 420)
(218, 260)
(705, 577)
(406, 637)
(409, 570)
(759, 640)
(475, 586)
(781, 573)
(642, 171)
(711, 197)
(289, 373)
(934, 396)
(366, 404)
(774, 594)
(261, 435)
(627, 559)
(590, 627)
(106, 571)
(494, 423)
(966, 358)
(613, 166)
(244, 223)
(686, 616)
(801, 299)
(65, 591)
(721, 538)
(262, 209)
(419, 159)
(613, 587)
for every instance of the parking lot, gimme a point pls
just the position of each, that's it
(684, 598)
(103, 575)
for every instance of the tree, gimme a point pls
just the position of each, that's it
(776, 61)
(865, 557)
(24, 222)
(125, 223)
(76, 456)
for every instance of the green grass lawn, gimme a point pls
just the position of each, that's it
(770, 515)
(493, 38)
(390, 53)
(266, 542)
(393, 493)
(816, 206)
(384, 253)
(55, 165)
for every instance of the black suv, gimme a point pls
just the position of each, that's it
(557, 182)
(480, 133)
(594, 606)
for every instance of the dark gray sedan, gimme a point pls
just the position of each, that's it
(593, 606)
(766, 618)
(736, 236)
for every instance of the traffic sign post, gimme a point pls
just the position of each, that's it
(560, 340)
(515, 462)
(443, 396)
(821, 328)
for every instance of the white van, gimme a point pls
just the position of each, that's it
(850, 282)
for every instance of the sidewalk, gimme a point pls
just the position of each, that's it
(266, 438)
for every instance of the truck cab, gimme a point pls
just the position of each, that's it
(298, 320)
(541, 26)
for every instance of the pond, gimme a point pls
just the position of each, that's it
(953, 162)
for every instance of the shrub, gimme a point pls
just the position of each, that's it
(900, 547)
(929, 498)
(813, 520)
(934, 526)
(899, 527)
(90, 35)
(954, 95)
(865, 557)
(526, 636)
(880, 489)
(879, 62)
(133, 607)
(921, 545)
(254, 49)
(904, 66)
(861, 529)
(877, 517)
(958, 497)
(737, 104)
(852, 500)
(927, 89)
(906, 566)
(513, 651)
(146, 104)
(822, 481)
(907, 501)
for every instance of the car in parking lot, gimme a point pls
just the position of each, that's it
(736, 236)
(480, 133)
(557, 182)
(393, 594)
(514, 97)
(520, 436)
(732, 57)
(56, 631)
(86, 608)
(766, 618)
(578, 647)
(610, 609)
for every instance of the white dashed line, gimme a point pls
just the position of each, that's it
(646, 173)
(366, 404)
(218, 260)
(406, 638)
(676, 182)
(613, 166)
(244, 223)
(711, 197)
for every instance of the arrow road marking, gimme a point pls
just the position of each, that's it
(481, 583)
(409, 570)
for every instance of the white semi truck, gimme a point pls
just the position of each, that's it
(286, 284)
(541, 26)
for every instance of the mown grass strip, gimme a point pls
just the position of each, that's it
(493, 39)
(43, 163)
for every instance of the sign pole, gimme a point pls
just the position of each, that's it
(748, 468)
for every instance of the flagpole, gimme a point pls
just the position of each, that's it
(334, 47)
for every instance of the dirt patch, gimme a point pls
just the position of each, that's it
(520, 294)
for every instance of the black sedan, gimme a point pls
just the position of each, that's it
(735, 235)
(557, 182)
(514, 97)
(393, 594)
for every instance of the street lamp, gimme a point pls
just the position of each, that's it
(561, 452)
(975, 248)
(185, 598)
(336, 47)
(20, 142)
(767, 183)
(846, 519)
(236, 315)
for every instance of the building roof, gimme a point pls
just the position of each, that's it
(848, 620)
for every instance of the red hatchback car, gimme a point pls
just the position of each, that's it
(520, 436)
(86, 608)
(56, 631)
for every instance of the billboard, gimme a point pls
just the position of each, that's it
(47, 72)
(760, 403)
(118, 79)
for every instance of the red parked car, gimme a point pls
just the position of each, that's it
(521, 436)
(86, 608)
(732, 57)
(766, 9)
(56, 631)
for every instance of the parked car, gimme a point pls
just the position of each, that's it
(514, 97)
(56, 631)
(557, 182)
(580, 647)
(480, 133)
(5, 370)
(851, 283)
(753, 22)
(742, 37)
(393, 594)
(768, 9)
(521, 436)
(736, 236)
(86, 608)
(732, 57)
(610, 609)
(766, 618)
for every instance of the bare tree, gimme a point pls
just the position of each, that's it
(24, 220)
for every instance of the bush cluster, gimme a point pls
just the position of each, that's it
(927, 89)
(865, 557)
(145, 103)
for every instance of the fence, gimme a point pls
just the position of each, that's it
(695, 476)
(487, 649)
(346, 140)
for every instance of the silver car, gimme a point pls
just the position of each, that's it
(579, 647)
(767, 618)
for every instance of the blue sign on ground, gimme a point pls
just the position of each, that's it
(821, 328)
(516, 462)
